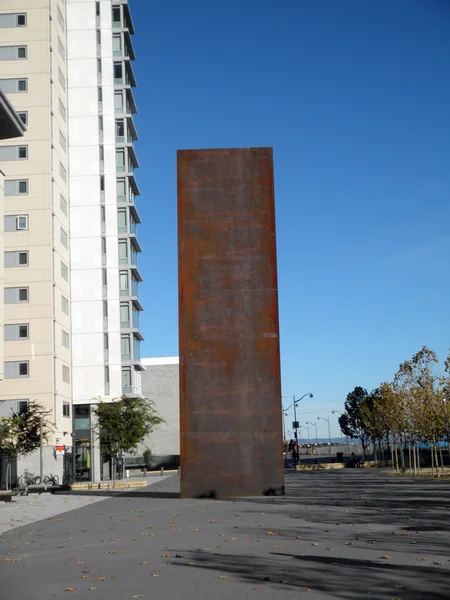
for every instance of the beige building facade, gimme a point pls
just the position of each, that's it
(37, 328)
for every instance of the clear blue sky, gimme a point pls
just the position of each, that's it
(354, 96)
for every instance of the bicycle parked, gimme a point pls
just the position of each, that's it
(51, 479)
(24, 481)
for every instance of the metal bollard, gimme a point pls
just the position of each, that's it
(162, 471)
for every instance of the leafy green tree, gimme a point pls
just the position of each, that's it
(352, 422)
(20, 433)
(121, 425)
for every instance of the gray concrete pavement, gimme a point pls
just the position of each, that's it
(347, 534)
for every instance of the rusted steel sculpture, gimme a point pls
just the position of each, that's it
(230, 393)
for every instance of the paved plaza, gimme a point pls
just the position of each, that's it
(348, 534)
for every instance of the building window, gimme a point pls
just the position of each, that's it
(16, 332)
(63, 172)
(118, 102)
(118, 73)
(64, 238)
(61, 50)
(120, 130)
(15, 222)
(21, 52)
(102, 183)
(65, 339)
(16, 369)
(103, 245)
(122, 220)
(62, 110)
(99, 37)
(99, 66)
(23, 186)
(22, 152)
(66, 409)
(102, 153)
(62, 79)
(120, 160)
(104, 277)
(63, 204)
(123, 252)
(65, 374)
(116, 17)
(105, 308)
(106, 374)
(23, 116)
(105, 341)
(124, 315)
(124, 283)
(23, 369)
(100, 94)
(22, 407)
(64, 271)
(97, 9)
(61, 19)
(102, 214)
(22, 85)
(100, 124)
(15, 259)
(62, 141)
(126, 380)
(15, 295)
(21, 20)
(125, 344)
(22, 222)
(64, 304)
(117, 45)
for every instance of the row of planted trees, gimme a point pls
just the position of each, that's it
(118, 426)
(401, 416)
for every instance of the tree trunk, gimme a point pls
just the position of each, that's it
(409, 458)
(418, 457)
(432, 459)
(402, 455)
(113, 464)
(442, 460)
(392, 457)
(415, 462)
(436, 459)
(8, 463)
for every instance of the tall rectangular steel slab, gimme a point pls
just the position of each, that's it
(230, 392)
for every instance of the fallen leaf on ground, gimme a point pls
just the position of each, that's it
(146, 562)
(70, 589)
(85, 577)
(421, 558)
(155, 575)
(437, 563)
(223, 576)
(305, 589)
(100, 579)
(386, 556)
(165, 555)
(91, 589)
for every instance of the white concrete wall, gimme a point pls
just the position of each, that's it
(160, 383)
(85, 216)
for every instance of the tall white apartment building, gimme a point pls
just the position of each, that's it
(66, 66)
(38, 363)
(103, 216)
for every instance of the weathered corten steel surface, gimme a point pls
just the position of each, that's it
(230, 392)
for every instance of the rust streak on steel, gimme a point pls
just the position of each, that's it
(230, 391)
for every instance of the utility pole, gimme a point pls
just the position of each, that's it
(41, 449)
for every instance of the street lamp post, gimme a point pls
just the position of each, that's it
(314, 425)
(294, 404)
(329, 432)
(346, 437)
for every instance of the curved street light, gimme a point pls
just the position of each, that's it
(314, 425)
(294, 404)
(329, 432)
